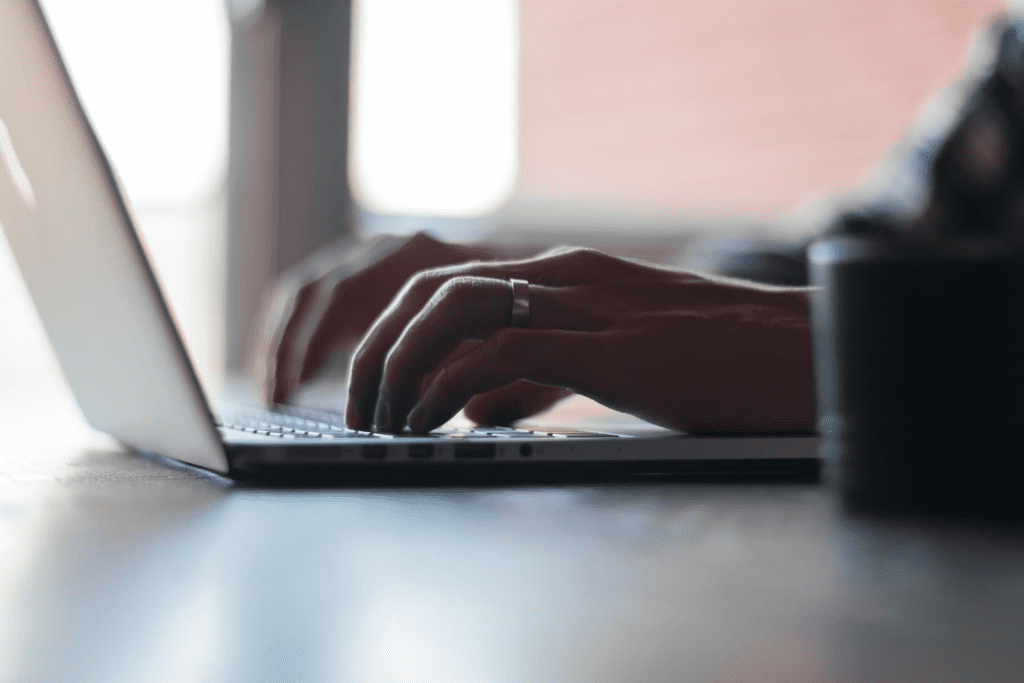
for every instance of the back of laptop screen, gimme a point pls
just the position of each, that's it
(72, 236)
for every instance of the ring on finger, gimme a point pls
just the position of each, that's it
(520, 316)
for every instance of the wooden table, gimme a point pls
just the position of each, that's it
(115, 567)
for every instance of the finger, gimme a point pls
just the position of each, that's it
(279, 351)
(364, 370)
(258, 363)
(331, 327)
(274, 353)
(562, 267)
(358, 299)
(512, 402)
(462, 349)
(292, 371)
(464, 308)
(555, 358)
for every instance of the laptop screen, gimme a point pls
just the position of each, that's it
(71, 232)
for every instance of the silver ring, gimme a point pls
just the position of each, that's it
(520, 303)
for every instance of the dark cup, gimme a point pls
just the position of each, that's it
(919, 367)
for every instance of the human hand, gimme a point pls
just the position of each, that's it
(681, 350)
(328, 302)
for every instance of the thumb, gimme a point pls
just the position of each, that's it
(522, 398)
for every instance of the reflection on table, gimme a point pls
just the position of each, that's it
(118, 567)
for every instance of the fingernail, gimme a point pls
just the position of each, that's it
(418, 416)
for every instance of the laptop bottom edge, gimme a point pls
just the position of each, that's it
(428, 474)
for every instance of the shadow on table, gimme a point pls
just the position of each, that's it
(139, 570)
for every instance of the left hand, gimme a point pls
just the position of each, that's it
(328, 301)
(681, 350)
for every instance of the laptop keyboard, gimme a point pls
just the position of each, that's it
(288, 422)
(292, 424)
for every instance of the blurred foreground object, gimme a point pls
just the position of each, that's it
(920, 376)
(919, 325)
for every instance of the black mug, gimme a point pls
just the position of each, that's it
(919, 370)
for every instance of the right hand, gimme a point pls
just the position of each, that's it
(329, 301)
(690, 352)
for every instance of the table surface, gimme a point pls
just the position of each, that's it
(115, 567)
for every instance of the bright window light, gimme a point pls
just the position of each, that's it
(434, 105)
(153, 78)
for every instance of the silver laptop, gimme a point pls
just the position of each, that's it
(71, 231)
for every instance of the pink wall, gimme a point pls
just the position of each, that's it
(725, 107)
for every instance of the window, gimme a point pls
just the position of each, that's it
(434, 105)
(153, 78)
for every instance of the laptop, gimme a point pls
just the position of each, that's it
(70, 228)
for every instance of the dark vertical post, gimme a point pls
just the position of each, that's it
(288, 181)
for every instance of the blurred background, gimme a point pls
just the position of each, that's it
(474, 118)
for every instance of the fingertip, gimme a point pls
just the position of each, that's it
(355, 417)
(382, 416)
(484, 412)
(426, 417)
(279, 393)
(417, 419)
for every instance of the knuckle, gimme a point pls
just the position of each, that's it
(452, 293)
(418, 286)
(297, 277)
(419, 279)
(560, 250)
(436, 284)
(589, 255)
(280, 305)
(308, 287)
(294, 301)
(337, 286)
(429, 279)
(456, 286)
(579, 257)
